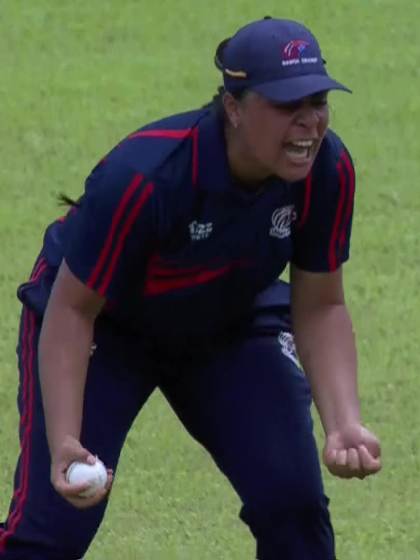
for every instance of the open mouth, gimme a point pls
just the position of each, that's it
(300, 151)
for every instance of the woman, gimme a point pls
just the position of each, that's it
(164, 274)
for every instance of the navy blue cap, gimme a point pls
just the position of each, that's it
(277, 58)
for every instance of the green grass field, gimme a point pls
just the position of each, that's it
(76, 77)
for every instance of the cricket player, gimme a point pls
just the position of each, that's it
(165, 274)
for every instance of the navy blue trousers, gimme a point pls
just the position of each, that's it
(248, 405)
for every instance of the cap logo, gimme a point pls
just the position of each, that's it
(293, 51)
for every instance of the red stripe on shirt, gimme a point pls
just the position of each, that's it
(158, 268)
(132, 217)
(21, 493)
(349, 206)
(332, 253)
(307, 200)
(178, 134)
(160, 280)
(116, 219)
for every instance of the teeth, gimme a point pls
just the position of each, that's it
(299, 156)
(300, 150)
(303, 143)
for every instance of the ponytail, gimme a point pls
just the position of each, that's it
(218, 56)
(217, 101)
(64, 200)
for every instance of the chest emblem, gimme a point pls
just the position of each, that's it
(281, 220)
(198, 231)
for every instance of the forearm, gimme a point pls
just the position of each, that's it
(64, 351)
(326, 347)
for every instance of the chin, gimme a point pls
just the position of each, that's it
(294, 175)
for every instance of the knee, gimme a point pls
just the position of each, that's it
(297, 531)
(282, 484)
(292, 508)
(53, 530)
(74, 532)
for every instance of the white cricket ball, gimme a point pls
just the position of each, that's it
(81, 473)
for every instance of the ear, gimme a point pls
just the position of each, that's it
(232, 109)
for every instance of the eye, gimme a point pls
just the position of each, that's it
(291, 107)
(319, 101)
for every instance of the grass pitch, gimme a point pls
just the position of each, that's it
(76, 77)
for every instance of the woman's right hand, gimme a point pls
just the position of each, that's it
(72, 450)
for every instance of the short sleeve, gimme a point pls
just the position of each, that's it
(112, 231)
(321, 238)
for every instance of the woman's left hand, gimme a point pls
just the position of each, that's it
(352, 451)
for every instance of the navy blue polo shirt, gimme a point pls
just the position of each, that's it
(177, 248)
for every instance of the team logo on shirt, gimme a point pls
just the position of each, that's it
(198, 232)
(282, 219)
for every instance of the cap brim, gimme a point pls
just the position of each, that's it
(292, 89)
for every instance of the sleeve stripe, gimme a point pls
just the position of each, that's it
(40, 264)
(129, 193)
(134, 212)
(39, 271)
(350, 199)
(332, 253)
(307, 201)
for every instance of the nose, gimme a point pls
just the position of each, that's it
(308, 117)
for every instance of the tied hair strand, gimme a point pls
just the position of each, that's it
(218, 57)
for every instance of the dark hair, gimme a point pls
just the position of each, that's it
(218, 55)
(217, 102)
(64, 200)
